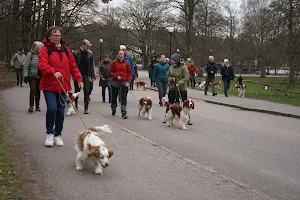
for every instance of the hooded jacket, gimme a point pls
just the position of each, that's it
(160, 71)
(58, 61)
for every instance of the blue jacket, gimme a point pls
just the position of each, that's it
(129, 59)
(160, 71)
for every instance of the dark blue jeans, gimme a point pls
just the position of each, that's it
(55, 112)
(109, 93)
(226, 86)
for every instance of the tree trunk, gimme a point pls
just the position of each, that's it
(291, 47)
(57, 12)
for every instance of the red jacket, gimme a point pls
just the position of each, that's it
(192, 70)
(122, 69)
(57, 62)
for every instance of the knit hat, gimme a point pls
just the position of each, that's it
(106, 56)
(176, 58)
(189, 60)
(226, 60)
(122, 47)
(86, 42)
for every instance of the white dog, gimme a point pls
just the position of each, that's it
(70, 110)
(200, 85)
(90, 145)
(145, 108)
(178, 112)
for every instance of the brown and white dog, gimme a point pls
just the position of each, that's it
(241, 90)
(145, 108)
(141, 84)
(178, 112)
(217, 84)
(69, 108)
(200, 85)
(90, 145)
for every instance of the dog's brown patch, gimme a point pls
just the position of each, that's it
(93, 151)
(80, 139)
(176, 109)
(142, 100)
(187, 102)
(110, 153)
(140, 83)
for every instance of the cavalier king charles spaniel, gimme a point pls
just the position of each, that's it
(90, 146)
(145, 108)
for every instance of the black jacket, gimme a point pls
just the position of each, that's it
(211, 70)
(77, 55)
(227, 73)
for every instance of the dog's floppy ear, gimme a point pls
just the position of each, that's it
(110, 153)
(193, 105)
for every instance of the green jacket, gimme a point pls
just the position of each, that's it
(178, 74)
(31, 66)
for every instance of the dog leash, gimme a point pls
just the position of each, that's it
(133, 95)
(72, 103)
(179, 94)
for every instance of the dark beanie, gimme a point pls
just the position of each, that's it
(106, 56)
(176, 58)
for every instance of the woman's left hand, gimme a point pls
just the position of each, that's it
(80, 85)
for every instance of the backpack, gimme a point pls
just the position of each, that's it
(49, 53)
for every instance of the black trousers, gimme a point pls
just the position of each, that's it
(174, 96)
(19, 74)
(35, 93)
(86, 90)
(122, 91)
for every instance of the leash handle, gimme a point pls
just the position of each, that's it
(71, 102)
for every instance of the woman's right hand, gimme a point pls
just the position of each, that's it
(57, 74)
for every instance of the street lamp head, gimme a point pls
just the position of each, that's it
(171, 29)
(177, 50)
(101, 40)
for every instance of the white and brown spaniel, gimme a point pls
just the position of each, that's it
(217, 84)
(179, 112)
(69, 108)
(145, 108)
(90, 146)
(241, 90)
(200, 85)
(141, 84)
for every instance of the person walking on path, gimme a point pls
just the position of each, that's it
(105, 78)
(135, 75)
(120, 72)
(227, 76)
(129, 59)
(151, 69)
(211, 70)
(85, 62)
(160, 79)
(193, 73)
(17, 62)
(177, 77)
(240, 80)
(56, 63)
(32, 77)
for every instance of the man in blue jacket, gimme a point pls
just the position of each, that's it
(129, 59)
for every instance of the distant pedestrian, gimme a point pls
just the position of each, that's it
(227, 76)
(159, 77)
(120, 72)
(105, 79)
(129, 59)
(240, 80)
(56, 63)
(85, 62)
(31, 75)
(135, 75)
(17, 62)
(211, 70)
(193, 73)
(151, 69)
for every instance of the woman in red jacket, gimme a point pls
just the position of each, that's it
(120, 71)
(56, 61)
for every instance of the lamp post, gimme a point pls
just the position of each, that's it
(101, 41)
(170, 29)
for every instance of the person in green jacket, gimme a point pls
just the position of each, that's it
(30, 74)
(159, 77)
(177, 76)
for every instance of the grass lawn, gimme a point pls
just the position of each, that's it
(10, 188)
(255, 89)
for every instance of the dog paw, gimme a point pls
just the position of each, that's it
(184, 128)
(79, 168)
(98, 171)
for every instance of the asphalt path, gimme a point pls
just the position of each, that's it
(226, 154)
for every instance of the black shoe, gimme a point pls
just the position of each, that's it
(214, 94)
(113, 113)
(21, 85)
(76, 106)
(86, 111)
(165, 121)
(37, 108)
(205, 93)
(124, 116)
(103, 101)
(30, 110)
(17, 83)
(190, 123)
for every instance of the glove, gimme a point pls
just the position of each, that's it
(26, 80)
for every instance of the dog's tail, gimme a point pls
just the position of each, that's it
(75, 95)
(105, 129)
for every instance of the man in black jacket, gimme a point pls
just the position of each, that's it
(227, 76)
(211, 70)
(85, 62)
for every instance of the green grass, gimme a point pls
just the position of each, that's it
(10, 188)
(255, 89)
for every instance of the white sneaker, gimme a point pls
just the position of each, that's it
(58, 141)
(49, 140)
